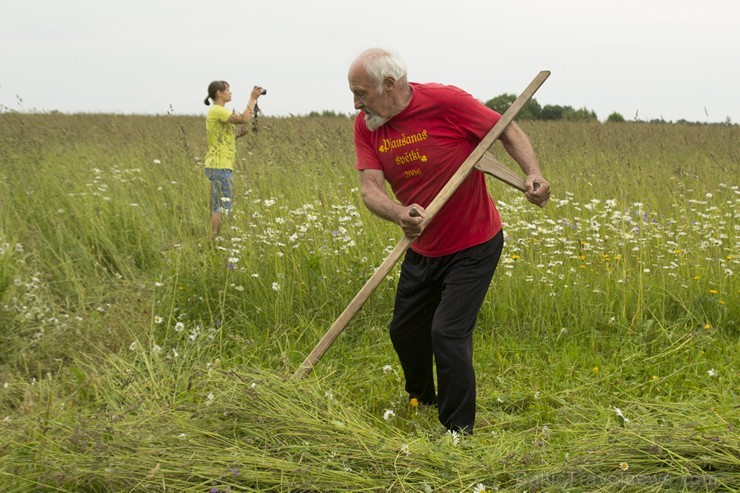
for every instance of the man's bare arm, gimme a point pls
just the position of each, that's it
(377, 200)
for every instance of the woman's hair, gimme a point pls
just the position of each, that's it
(380, 63)
(213, 88)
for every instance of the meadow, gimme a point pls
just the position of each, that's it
(136, 357)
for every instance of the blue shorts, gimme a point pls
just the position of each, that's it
(221, 193)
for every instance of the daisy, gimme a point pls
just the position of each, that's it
(619, 414)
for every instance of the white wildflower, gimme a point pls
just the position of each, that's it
(454, 436)
(388, 414)
(712, 372)
(179, 327)
(619, 413)
(275, 286)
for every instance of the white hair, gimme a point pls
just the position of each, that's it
(379, 64)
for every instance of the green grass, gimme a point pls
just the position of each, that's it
(134, 357)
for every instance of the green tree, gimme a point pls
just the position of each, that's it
(580, 115)
(552, 112)
(501, 103)
(615, 118)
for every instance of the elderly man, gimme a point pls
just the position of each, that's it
(416, 136)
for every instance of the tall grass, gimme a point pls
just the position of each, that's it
(136, 357)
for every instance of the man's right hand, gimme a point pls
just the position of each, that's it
(410, 219)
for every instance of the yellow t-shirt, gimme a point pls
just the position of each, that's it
(221, 141)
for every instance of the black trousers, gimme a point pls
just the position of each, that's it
(437, 305)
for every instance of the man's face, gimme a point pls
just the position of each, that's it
(374, 104)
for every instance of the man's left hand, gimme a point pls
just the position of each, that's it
(538, 190)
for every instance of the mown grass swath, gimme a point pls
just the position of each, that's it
(133, 356)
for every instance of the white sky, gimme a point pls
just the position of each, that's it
(651, 58)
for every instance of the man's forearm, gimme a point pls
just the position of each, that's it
(517, 145)
(380, 204)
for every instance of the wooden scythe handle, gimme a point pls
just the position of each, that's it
(490, 165)
(481, 159)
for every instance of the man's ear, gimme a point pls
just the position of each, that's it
(389, 83)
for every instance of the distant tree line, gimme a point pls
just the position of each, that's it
(534, 111)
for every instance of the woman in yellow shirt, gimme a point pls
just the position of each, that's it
(221, 155)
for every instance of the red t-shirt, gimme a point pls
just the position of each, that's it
(420, 149)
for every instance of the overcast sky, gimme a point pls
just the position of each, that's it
(675, 59)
